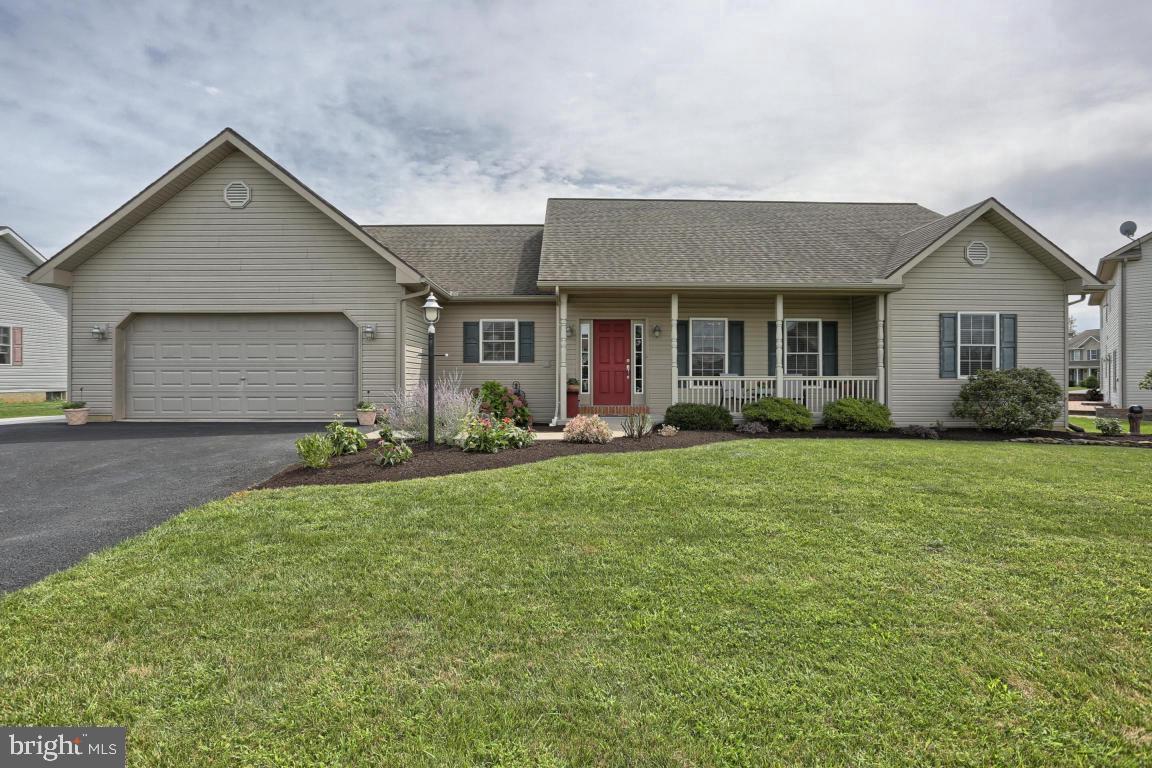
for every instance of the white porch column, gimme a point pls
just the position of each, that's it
(881, 378)
(675, 359)
(779, 345)
(562, 345)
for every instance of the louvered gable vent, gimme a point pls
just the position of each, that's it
(977, 252)
(237, 194)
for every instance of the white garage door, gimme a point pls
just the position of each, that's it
(222, 367)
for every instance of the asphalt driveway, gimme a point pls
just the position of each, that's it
(68, 491)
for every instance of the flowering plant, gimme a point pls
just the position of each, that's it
(483, 434)
(501, 402)
(587, 429)
(390, 454)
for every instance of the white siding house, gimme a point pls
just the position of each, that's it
(1126, 323)
(33, 326)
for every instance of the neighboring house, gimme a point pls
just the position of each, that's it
(1125, 323)
(229, 290)
(1083, 356)
(33, 326)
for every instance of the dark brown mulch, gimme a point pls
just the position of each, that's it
(446, 460)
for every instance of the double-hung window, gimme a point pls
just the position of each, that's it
(5, 345)
(1093, 354)
(709, 350)
(802, 347)
(1075, 355)
(979, 343)
(498, 341)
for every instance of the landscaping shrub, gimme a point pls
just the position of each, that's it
(668, 430)
(1091, 383)
(345, 439)
(587, 429)
(454, 403)
(389, 454)
(503, 403)
(384, 426)
(1012, 400)
(1109, 426)
(1146, 382)
(697, 416)
(1094, 395)
(636, 425)
(484, 434)
(779, 413)
(857, 415)
(315, 451)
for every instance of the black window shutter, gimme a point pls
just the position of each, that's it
(471, 342)
(771, 347)
(527, 341)
(1007, 341)
(948, 346)
(683, 344)
(736, 347)
(829, 348)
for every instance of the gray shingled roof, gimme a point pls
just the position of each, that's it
(722, 242)
(470, 259)
(1082, 337)
(912, 243)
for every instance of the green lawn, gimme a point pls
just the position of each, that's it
(13, 410)
(783, 602)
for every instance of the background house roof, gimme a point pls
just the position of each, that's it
(21, 245)
(723, 242)
(1082, 337)
(470, 259)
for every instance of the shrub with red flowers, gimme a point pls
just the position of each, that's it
(503, 403)
(484, 434)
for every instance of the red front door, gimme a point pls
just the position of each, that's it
(611, 371)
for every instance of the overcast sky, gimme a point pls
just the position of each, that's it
(453, 112)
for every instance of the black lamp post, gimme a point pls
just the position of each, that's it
(432, 315)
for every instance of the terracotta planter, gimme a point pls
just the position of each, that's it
(365, 418)
(76, 416)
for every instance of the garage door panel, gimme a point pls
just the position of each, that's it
(207, 366)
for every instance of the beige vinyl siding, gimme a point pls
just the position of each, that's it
(1110, 357)
(1012, 281)
(537, 379)
(864, 332)
(195, 254)
(42, 311)
(415, 342)
(755, 311)
(1138, 330)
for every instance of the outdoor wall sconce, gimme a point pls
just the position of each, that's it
(369, 331)
(99, 332)
(568, 330)
(656, 331)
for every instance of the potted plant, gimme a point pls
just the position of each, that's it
(574, 385)
(76, 412)
(366, 413)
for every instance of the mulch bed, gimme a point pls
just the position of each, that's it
(446, 460)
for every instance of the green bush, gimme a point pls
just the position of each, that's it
(697, 416)
(502, 403)
(1109, 426)
(1012, 400)
(389, 454)
(779, 413)
(1091, 383)
(315, 450)
(857, 415)
(345, 439)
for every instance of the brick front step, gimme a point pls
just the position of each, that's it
(612, 410)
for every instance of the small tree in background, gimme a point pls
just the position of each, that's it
(1013, 400)
(1146, 382)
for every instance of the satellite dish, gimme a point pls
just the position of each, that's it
(1128, 229)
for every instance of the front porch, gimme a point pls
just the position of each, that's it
(729, 349)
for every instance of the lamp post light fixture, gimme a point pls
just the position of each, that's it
(99, 332)
(432, 315)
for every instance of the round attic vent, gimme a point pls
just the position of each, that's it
(977, 253)
(237, 194)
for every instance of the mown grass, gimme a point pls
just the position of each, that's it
(791, 602)
(15, 410)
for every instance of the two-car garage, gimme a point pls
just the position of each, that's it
(220, 367)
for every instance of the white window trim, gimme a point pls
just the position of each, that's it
(642, 364)
(996, 346)
(1090, 357)
(515, 341)
(819, 346)
(691, 336)
(585, 381)
(1075, 355)
(11, 339)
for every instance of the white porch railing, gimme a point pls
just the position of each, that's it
(734, 392)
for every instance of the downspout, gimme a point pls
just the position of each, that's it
(561, 391)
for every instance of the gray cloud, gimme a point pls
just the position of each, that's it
(459, 111)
